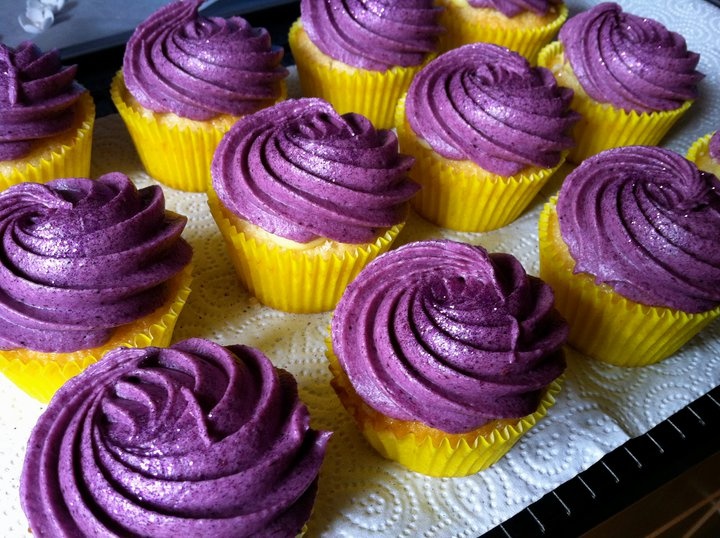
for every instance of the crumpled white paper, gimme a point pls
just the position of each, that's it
(39, 15)
(361, 494)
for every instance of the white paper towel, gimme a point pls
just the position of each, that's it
(361, 494)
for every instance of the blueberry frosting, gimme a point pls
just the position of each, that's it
(714, 146)
(631, 62)
(80, 257)
(511, 8)
(645, 221)
(37, 98)
(193, 440)
(373, 34)
(446, 334)
(486, 104)
(201, 67)
(302, 171)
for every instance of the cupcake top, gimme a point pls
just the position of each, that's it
(487, 104)
(446, 334)
(82, 257)
(201, 67)
(714, 146)
(37, 98)
(631, 62)
(510, 8)
(302, 171)
(192, 440)
(374, 35)
(645, 221)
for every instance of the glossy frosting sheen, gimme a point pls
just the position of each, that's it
(37, 95)
(510, 8)
(443, 333)
(194, 440)
(301, 171)
(81, 257)
(628, 61)
(714, 146)
(486, 104)
(372, 34)
(645, 221)
(201, 67)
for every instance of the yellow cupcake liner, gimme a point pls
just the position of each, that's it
(41, 374)
(65, 156)
(461, 196)
(699, 153)
(601, 125)
(292, 280)
(429, 451)
(527, 41)
(180, 154)
(603, 324)
(373, 94)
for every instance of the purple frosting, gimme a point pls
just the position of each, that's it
(201, 67)
(714, 146)
(628, 61)
(37, 98)
(82, 257)
(443, 333)
(485, 103)
(510, 8)
(193, 440)
(374, 34)
(300, 170)
(645, 221)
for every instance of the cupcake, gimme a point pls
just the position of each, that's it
(186, 79)
(193, 440)
(444, 355)
(305, 198)
(46, 117)
(86, 266)
(487, 131)
(524, 26)
(705, 152)
(630, 247)
(362, 59)
(632, 77)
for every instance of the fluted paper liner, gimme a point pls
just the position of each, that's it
(41, 374)
(699, 153)
(460, 195)
(527, 41)
(603, 324)
(373, 94)
(603, 126)
(293, 280)
(68, 156)
(429, 451)
(178, 155)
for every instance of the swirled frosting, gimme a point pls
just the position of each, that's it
(81, 257)
(485, 103)
(714, 146)
(193, 440)
(201, 67)
(645, 221)
(374, 34)
(446, 334)
(300, 170)
(510, 8)
(628, 61)
(37, 98)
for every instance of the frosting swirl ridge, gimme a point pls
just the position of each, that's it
(192, 440)
(631, 62)
(444, 333)
(201, 67)
(714, 146)
(81, 257)
(645, 221)
(37, 97)
(511, 8)
(300, 170)
(373, 34)
(485, 103)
